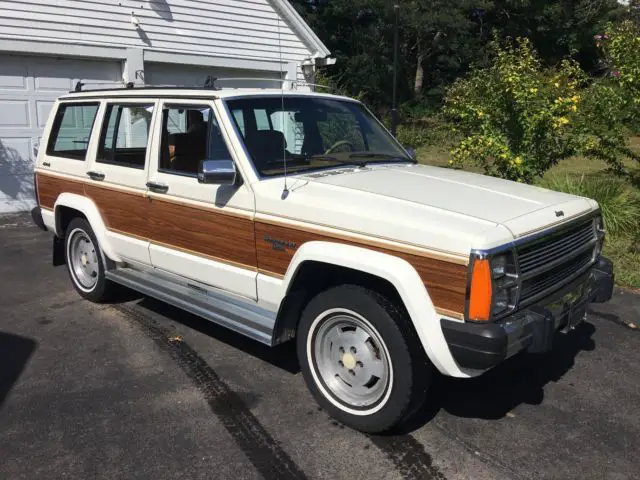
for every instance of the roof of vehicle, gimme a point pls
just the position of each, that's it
(191, 92)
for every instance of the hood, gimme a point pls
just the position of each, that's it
(520, 208)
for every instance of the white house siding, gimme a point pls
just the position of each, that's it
(232, 28)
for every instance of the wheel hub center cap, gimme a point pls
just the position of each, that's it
(349, 361)
(84, 260)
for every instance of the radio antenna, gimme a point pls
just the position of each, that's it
(285, 191)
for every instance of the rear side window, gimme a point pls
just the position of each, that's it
(71, 130)
(125, 135)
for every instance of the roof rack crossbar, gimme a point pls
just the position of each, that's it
(209, 83)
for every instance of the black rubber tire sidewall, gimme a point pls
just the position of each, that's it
(102, 289)
(411, 373)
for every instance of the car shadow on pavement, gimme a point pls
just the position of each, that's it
(519, 380)
(282, 356)
(15, 352)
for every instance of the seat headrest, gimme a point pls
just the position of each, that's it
(267, 141)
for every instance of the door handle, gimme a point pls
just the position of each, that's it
(157, 187)
(95, 175)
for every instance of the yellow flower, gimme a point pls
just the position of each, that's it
(450, 162)
(575, 98)
(533, 90)
(518, 160)
(503, 155)
(563, 120)
(574, 108)
(480, 114)
(556, 85)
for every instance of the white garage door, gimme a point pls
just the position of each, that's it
(28, 88)
(194, 76)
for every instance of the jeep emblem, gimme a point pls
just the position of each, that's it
(559, 213)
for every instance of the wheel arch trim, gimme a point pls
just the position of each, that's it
(89, 209)
(402, 276)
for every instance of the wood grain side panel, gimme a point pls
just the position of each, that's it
(445, 281)
(126, 212)
(49, 187)
(226, 237)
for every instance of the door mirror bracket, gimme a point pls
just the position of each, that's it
(219, 172)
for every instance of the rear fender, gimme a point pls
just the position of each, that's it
(92, 214)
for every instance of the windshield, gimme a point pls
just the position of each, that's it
(311, 133)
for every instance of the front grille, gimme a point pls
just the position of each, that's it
(547, 263)
(555, 277)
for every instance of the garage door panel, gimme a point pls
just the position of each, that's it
(15, 156)
(15, 114)
(193, 76)
(13, 76)
(16, 193)
(43, 108)
(60, 76)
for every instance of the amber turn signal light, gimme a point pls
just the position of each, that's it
(480, 293)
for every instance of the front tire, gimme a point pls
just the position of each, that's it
(84, 262)
(361, 358)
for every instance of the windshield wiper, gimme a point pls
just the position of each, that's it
(337, 160)
(386, 156)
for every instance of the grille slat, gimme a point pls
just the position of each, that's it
(534, 256)
(532, 288)
(551, 255)
(546, 246)
(548, 251)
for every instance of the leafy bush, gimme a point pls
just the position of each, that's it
(611, 110)
(423, 132)
(515, 117)
(620, 205)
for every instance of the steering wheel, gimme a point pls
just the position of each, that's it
(338, 144)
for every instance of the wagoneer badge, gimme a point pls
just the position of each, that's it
(279, 244)
(559, 213)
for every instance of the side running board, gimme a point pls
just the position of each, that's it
(224, 309)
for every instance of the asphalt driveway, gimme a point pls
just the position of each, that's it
(138, 389)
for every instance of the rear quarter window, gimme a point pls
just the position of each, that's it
(71, 130)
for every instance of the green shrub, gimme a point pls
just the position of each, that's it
(620, 205)
(423, 132)
(412, 135)
(516, 118)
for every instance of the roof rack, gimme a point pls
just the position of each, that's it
(209, 83)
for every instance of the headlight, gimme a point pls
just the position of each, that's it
(600, 232)
(503, 270)
(494, 287)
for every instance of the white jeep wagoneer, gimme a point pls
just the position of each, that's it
(298, 216)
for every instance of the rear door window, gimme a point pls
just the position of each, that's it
(71, 130)
(125, 135)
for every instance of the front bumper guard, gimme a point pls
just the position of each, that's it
(480, 346)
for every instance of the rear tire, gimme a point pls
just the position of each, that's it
(84, 262)
(361, 358)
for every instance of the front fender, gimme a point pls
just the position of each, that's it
(402, 276)
(91, 212)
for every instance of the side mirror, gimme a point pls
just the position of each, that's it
(220, 172)
(411, 151)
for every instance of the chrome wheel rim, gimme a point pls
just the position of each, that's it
(83, 260)
(351, 360)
